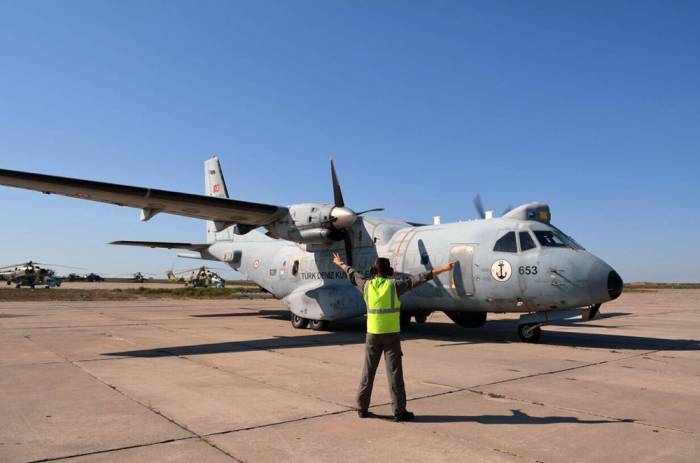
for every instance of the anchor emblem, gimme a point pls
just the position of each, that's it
(500, 273)
(501, 270)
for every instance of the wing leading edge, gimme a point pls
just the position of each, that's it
(151, 201)
(165, 245)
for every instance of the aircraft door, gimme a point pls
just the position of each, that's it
(463, 273)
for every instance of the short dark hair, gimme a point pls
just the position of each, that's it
(382, 266)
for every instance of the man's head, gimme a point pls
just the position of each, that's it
(382, 267)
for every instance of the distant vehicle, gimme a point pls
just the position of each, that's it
(30, 274)
(201, 277)
(93, 277)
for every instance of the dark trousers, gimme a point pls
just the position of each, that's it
(390, 345)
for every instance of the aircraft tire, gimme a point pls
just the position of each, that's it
(405, 320)
(299, 322)
(529, 335)
(318, 325)
(420, 318)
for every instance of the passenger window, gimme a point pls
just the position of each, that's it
(506, 243)
(526, 241)
(295, 268)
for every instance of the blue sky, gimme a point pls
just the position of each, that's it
(593, 107)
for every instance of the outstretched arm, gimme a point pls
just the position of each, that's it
(406, 284)
(442, 269)
(354, 277)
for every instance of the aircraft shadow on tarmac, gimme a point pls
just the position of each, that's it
(517, 417)
(274, 314)
(352, 332)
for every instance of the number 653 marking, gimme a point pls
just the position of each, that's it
(527, 270)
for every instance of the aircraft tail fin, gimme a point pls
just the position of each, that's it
(215, 185)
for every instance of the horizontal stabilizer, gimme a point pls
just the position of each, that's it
(164, 245)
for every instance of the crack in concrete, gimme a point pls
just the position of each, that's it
(148, 407)
(204, 437)
(116, 449)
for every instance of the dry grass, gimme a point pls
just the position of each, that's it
(43, 294)
(647, 287)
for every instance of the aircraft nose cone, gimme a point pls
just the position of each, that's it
(615, 285)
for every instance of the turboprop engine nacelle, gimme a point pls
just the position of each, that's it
(314, 223)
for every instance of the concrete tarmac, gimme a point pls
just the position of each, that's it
(222, 381)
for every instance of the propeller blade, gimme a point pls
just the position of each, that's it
(337, 193)
(507, 209)
(348, 249)
(479, 206)
(376, 209)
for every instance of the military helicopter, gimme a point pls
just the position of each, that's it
(516, 263)
(31, 274)
(200, 277)
(139, 277)
(90, 277)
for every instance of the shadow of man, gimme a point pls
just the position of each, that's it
(517, 417)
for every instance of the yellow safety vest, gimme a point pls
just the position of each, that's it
(383, 306)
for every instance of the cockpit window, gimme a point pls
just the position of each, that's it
(550, 239)
(506, 243)
(567, 239)
(526, 241)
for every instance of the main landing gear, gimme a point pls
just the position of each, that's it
(300, 323)
(420, 317)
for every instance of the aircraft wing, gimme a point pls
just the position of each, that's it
(164, 245)
(150, 200)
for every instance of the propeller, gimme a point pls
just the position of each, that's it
(479, 206)
(343, 218)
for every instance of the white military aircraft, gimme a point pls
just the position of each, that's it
(516, 263)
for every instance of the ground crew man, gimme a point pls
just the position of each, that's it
(381, 295)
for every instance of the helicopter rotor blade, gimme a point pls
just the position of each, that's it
(58, 265)
(13, 266)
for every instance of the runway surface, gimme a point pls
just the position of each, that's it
(222, 381)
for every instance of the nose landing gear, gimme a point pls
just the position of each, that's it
(530, 332)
